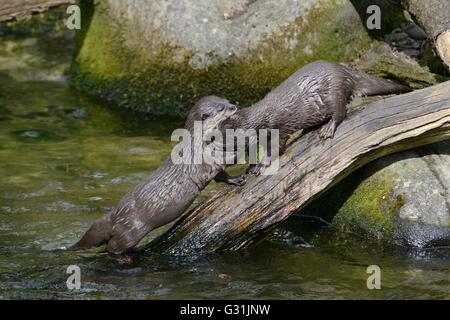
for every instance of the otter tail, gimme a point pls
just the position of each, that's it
(367, 85)
(98, 234)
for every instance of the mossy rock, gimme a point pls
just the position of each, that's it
(381, 60)
(401, 198)
(362, 203)
(162, 56)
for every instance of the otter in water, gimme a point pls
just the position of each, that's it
(165, 195)
(317, 93)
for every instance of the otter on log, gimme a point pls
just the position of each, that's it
(316, 93)
(165, 195)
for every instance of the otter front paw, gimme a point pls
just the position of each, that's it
(255, 170)
(239, 180)
(328, 130)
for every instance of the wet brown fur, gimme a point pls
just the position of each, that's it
(162, 197)
(316, 94)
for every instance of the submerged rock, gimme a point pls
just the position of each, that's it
(161, 56)
(404, 198)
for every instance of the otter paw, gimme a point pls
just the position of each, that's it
(327, 131)
(238, 180)
(255, 170)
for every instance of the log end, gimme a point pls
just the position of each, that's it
(443, 47)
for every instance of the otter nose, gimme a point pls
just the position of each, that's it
(232, 108)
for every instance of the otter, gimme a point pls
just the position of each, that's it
(316, 93)
(165, 195)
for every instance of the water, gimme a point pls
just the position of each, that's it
(64, 161)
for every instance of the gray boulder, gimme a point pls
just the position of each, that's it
(160, 56)
(404, 198)
(422, 178)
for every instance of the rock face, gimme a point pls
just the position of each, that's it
(160, 56)
(422, 178)
(404, 197)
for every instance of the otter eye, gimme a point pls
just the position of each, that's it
(204, 116)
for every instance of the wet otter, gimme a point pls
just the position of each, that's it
(315, 94)
(165, 195)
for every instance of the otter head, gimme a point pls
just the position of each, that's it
(211, 111)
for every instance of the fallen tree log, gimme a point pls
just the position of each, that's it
(237, 217)
(20, 9)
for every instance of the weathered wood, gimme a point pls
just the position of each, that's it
(443, 47)
(236, 217)
(20, 9)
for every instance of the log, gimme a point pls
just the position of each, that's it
(443, 47)
(237, 217)
(21, 9)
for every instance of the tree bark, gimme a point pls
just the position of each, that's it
(237, 217)
(20, 9)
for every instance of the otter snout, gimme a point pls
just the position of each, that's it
(230, 109)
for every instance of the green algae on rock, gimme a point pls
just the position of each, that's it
(383, 61)
(401, 198)
(370, 209)
(146, 56)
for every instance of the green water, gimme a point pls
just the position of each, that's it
(64, 161)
